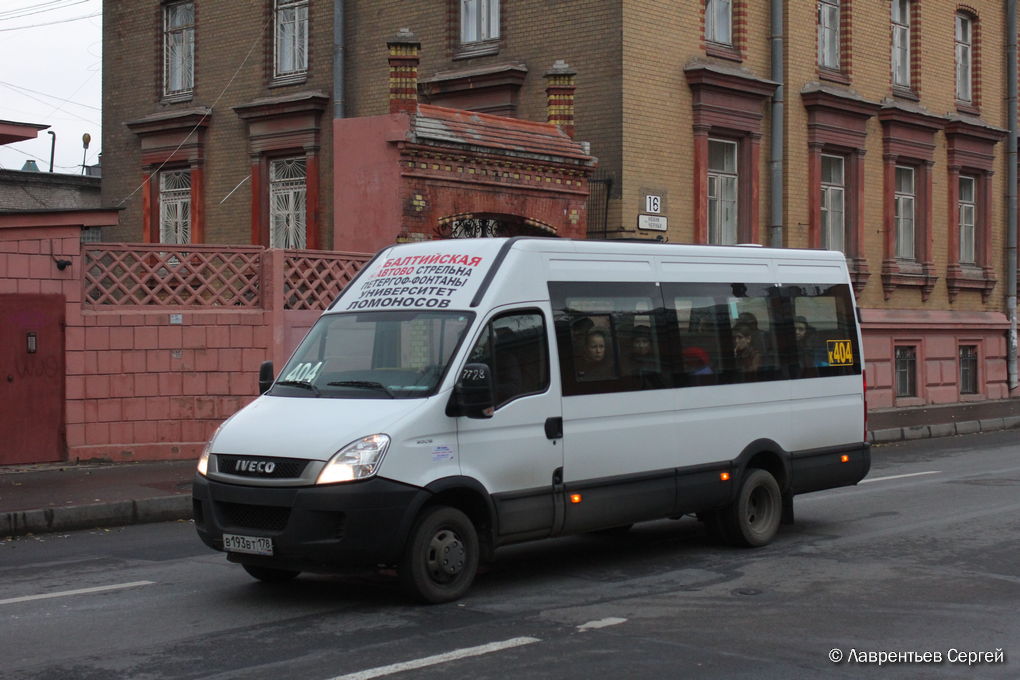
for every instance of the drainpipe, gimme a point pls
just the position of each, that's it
(339, 47)
(1011, 191)
(776, 159)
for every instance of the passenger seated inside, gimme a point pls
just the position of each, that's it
(696, 361)
(642, 356)
(597, 362)
(810, 351)
(759, 339)
(747, 356)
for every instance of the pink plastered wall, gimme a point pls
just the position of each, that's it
(144, 385)
(153, 382)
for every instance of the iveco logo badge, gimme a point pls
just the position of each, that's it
(260, 466)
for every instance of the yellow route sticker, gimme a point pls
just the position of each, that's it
(841, 353)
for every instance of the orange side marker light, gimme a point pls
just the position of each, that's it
(575, 498)
(844, 458)
(724, 476)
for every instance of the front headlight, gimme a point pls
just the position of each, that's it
(203, 460)
(357, 460)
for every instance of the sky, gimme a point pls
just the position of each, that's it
(51, 74)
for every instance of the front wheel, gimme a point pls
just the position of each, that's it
(753, 519)
(441, 556)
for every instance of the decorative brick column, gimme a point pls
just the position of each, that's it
(559, 93)
(404, 52)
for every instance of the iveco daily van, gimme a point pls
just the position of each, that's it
(461, 395)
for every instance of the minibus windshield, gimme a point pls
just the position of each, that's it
(373, 355)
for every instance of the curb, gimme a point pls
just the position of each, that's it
(899, 434)
(118, 513)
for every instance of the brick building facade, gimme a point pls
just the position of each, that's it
(216, 107)
(893, 126)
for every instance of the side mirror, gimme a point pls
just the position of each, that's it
(473, 395)
(265, 376)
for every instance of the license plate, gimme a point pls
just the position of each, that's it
(252, 545)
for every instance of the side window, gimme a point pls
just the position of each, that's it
(726, 332)
(824, 331)
(609, 336)
(514, 347)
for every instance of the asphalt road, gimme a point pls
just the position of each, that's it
(921, 558)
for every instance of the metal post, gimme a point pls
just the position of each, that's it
(339, 57)
(776, 153)
(1011, 191)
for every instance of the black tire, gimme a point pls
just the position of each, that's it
(270, 575)
(753, 519)
(441, 556)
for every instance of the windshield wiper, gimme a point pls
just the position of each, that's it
(368, 384)
(298, 383)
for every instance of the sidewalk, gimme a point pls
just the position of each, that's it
(63, 496)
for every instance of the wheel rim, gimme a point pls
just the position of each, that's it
(760, 508)
(446, 556)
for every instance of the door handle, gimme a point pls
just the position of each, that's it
(554, 428)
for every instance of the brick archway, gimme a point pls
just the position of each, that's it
(491, 225)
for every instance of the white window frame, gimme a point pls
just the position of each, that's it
(178, 49)
(479, 21)
(723, 195)
(175, 206)
(901, 43)
(828, 34)
(833, 203)
(290, 46)
(719, 22)
(964, 57)
(906, 212)
(288, 192)
(967, 204)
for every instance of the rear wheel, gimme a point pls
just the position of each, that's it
(270, 575)
(441, 556)
(753, 519)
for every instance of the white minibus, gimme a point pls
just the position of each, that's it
(461, 395)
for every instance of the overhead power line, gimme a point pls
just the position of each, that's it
(51, 96)
(51, 23)
(39, 8)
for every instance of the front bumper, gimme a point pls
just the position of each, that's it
(320, 528)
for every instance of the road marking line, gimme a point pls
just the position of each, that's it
(438, 659)
(80, 591)
(912, 474)
(601, 623)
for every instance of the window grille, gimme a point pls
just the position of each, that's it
(968, 369)
(287, 196)
(175, 207)
(906, 371)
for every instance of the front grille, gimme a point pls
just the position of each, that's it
(260, 467)
(262, 517)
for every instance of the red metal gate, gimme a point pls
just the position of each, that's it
(31, 379)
